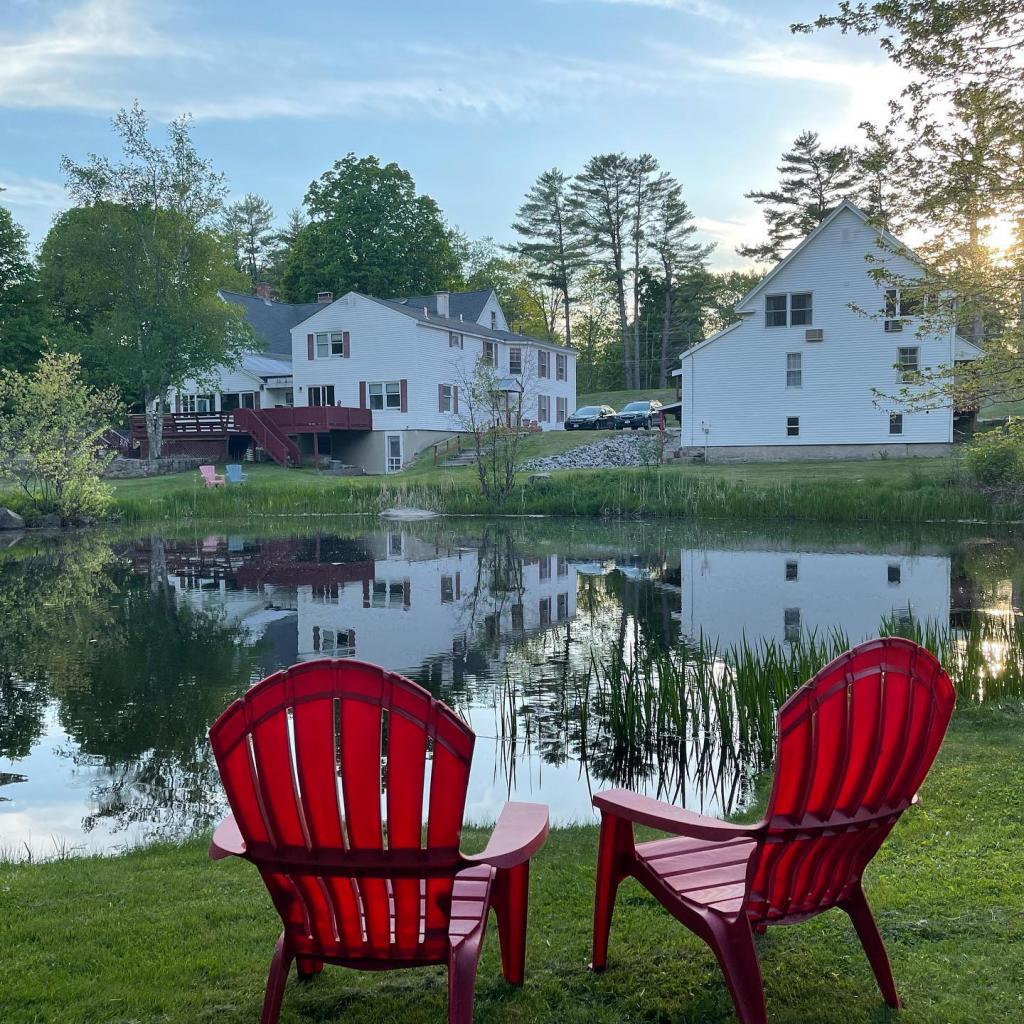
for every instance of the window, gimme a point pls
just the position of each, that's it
(791, 625)
(794, 310)
(792, 572)
(792, 426)
(328, 345)
(899, 305)
(895, 423)
(545, 568)
(237, 400)
(561, 409)
(446, 398)
(323, 395)
(518, 617)
(543, 363)
(197, 403)
(775, 311)
(490, 353)
(563, 607)
(447, 589)
(494, 320)
(894, 574)
(800, 309)
(455, 340)
(545, 611)
(543, 409)
(396, 545)
(385, 396)
(794, 370)
(563, 566)
(560, 366)
(288, 398)
(908, 362)
(515, 360)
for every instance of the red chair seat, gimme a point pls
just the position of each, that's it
(702, 872)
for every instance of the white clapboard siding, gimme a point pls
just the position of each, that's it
(735, 384)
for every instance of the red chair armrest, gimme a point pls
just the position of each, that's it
(643, 810)
(518, 834)
(227, 840)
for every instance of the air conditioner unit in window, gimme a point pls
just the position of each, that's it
(893, 326)
(814, 334)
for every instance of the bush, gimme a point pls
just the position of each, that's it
(996, 457)
(51, 424)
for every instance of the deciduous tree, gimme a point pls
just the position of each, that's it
(21, 312)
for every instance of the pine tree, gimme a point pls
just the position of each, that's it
(882, 168)
(812, 181)
(550, 245)
(678, 255)
(248, 226)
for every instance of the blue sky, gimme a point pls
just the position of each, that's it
(473, 98)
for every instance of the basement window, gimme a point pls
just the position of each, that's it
(792, 426)
(792, 572)
(895, 423)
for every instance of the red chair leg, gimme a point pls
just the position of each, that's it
(510, 902)
(307, 967)
(871, 939)
(615, 852)
(462, 963)
(733, 944)
(279, 965)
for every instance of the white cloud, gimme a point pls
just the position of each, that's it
(19, 190)
(728, 233)
(710, 10)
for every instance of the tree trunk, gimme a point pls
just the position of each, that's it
(565, 307)
(154, 427)
(627, 365)
(666, 320)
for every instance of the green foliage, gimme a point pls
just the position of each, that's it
(996, 457)
(132, 272)
(812, 182)
(248, 227)
(50, 424)
(528, 304)
(22, 314)
(370, 232)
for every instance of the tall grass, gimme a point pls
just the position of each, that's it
(702, 719)
(611, 493)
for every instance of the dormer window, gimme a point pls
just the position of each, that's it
(494, 320)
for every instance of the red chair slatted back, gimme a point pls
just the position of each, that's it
(855, 743)
(328, 766)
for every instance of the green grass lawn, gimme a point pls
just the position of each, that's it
(617, 399)
(163, 935)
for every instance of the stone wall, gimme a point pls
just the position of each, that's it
(129, 469)
(803, 452)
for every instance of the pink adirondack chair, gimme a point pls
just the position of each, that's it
(327, 768)
(211, 477)
(855, 742)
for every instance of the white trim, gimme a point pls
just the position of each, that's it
(387, 451)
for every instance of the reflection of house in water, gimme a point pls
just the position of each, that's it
(426, 602)
(389, 598)
(780, 594)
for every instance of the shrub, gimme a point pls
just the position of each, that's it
(996, 457)
(51, 423)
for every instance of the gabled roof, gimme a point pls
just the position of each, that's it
(845, 205)
(469, 304)
(964, 348)
(272, 321)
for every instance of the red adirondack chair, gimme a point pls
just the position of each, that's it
(855, 742)
(328, 767)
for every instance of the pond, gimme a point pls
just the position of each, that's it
(117, 651)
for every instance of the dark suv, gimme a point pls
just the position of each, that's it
(591, 417)
(637, 415)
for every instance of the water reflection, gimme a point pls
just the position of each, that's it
(117, 653)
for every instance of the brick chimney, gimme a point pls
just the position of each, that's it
(442, 304)
(325, 298)
(263, 291)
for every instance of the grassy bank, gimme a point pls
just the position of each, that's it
(164, 935)
(880, 491)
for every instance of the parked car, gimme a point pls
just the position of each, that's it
(591, 417)
(638, 414)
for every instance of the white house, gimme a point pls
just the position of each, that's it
(799, 375)
(405, 360)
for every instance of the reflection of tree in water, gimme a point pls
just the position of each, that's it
(52, 591)
(153, 683)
